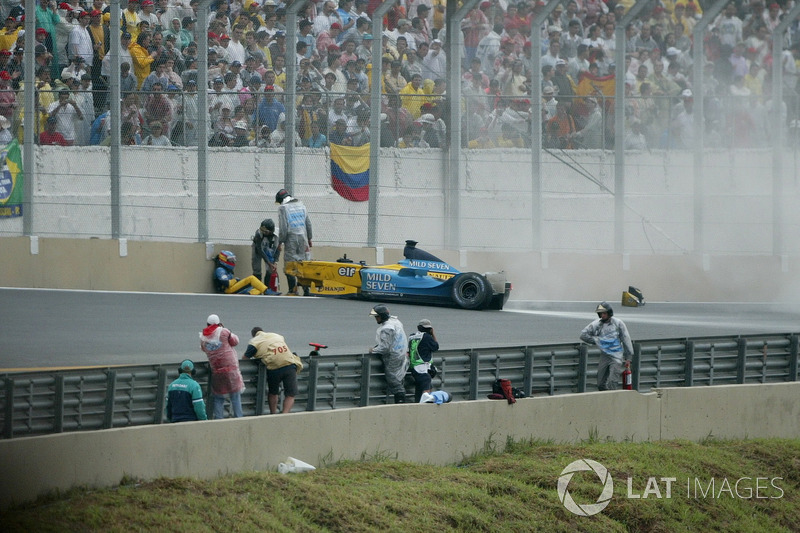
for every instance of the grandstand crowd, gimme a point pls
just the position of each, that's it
(248, 53)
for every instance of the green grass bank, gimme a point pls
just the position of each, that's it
(670, 486)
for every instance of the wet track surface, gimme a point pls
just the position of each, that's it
(53, 328)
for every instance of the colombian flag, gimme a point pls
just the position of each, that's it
(350, 171)
(589, 85)
(11, 181)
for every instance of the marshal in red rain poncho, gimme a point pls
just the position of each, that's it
(217, 342)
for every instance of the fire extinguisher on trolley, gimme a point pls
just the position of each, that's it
(627, 377)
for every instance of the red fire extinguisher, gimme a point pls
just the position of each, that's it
(274, 282)
(627, 377)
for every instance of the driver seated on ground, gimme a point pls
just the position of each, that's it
(225, 280)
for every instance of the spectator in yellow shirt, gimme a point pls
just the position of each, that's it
(413, 96)
(141, 58)
(8, 35)
(130, 20)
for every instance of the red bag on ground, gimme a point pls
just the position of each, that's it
(505, 389)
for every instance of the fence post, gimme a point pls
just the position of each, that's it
(688, 370)
(161, 396)
(527, 380)
(261, 388)
(794, 342)
(8, 426)
(741, 360)
(636, 365)
(583, 363)
(365, 379)
(58, 405)
(473, 375)
(111, 392)
(313, 372)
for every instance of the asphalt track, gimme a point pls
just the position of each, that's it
(42, 328)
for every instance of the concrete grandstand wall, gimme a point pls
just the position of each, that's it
(421, 433)
(159, 193)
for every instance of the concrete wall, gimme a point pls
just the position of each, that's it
(159, 199)
(99, 264)
(740, 412)
(96, 264)
(37, 465)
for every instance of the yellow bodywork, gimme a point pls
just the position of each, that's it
(327, 278)
(629, 300)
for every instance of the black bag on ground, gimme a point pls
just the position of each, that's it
(518, 393)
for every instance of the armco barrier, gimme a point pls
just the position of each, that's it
(103, 398)
(426, 433)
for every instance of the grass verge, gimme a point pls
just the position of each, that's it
(745, 486)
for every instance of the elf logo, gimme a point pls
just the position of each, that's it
(347, 272)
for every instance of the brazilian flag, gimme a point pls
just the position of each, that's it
(11, 181)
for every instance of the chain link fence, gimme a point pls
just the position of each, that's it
(550, 200)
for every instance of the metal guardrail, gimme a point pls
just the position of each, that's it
(38, 403)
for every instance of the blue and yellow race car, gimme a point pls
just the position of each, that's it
(418, 278)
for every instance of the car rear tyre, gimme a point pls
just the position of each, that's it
(470, 291)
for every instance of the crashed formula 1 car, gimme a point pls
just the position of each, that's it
(418, 278)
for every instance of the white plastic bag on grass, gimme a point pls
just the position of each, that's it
(294, 466)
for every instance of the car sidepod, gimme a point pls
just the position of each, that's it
(402, 282)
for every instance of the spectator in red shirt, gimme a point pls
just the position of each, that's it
(8, 98)
(50, 137)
